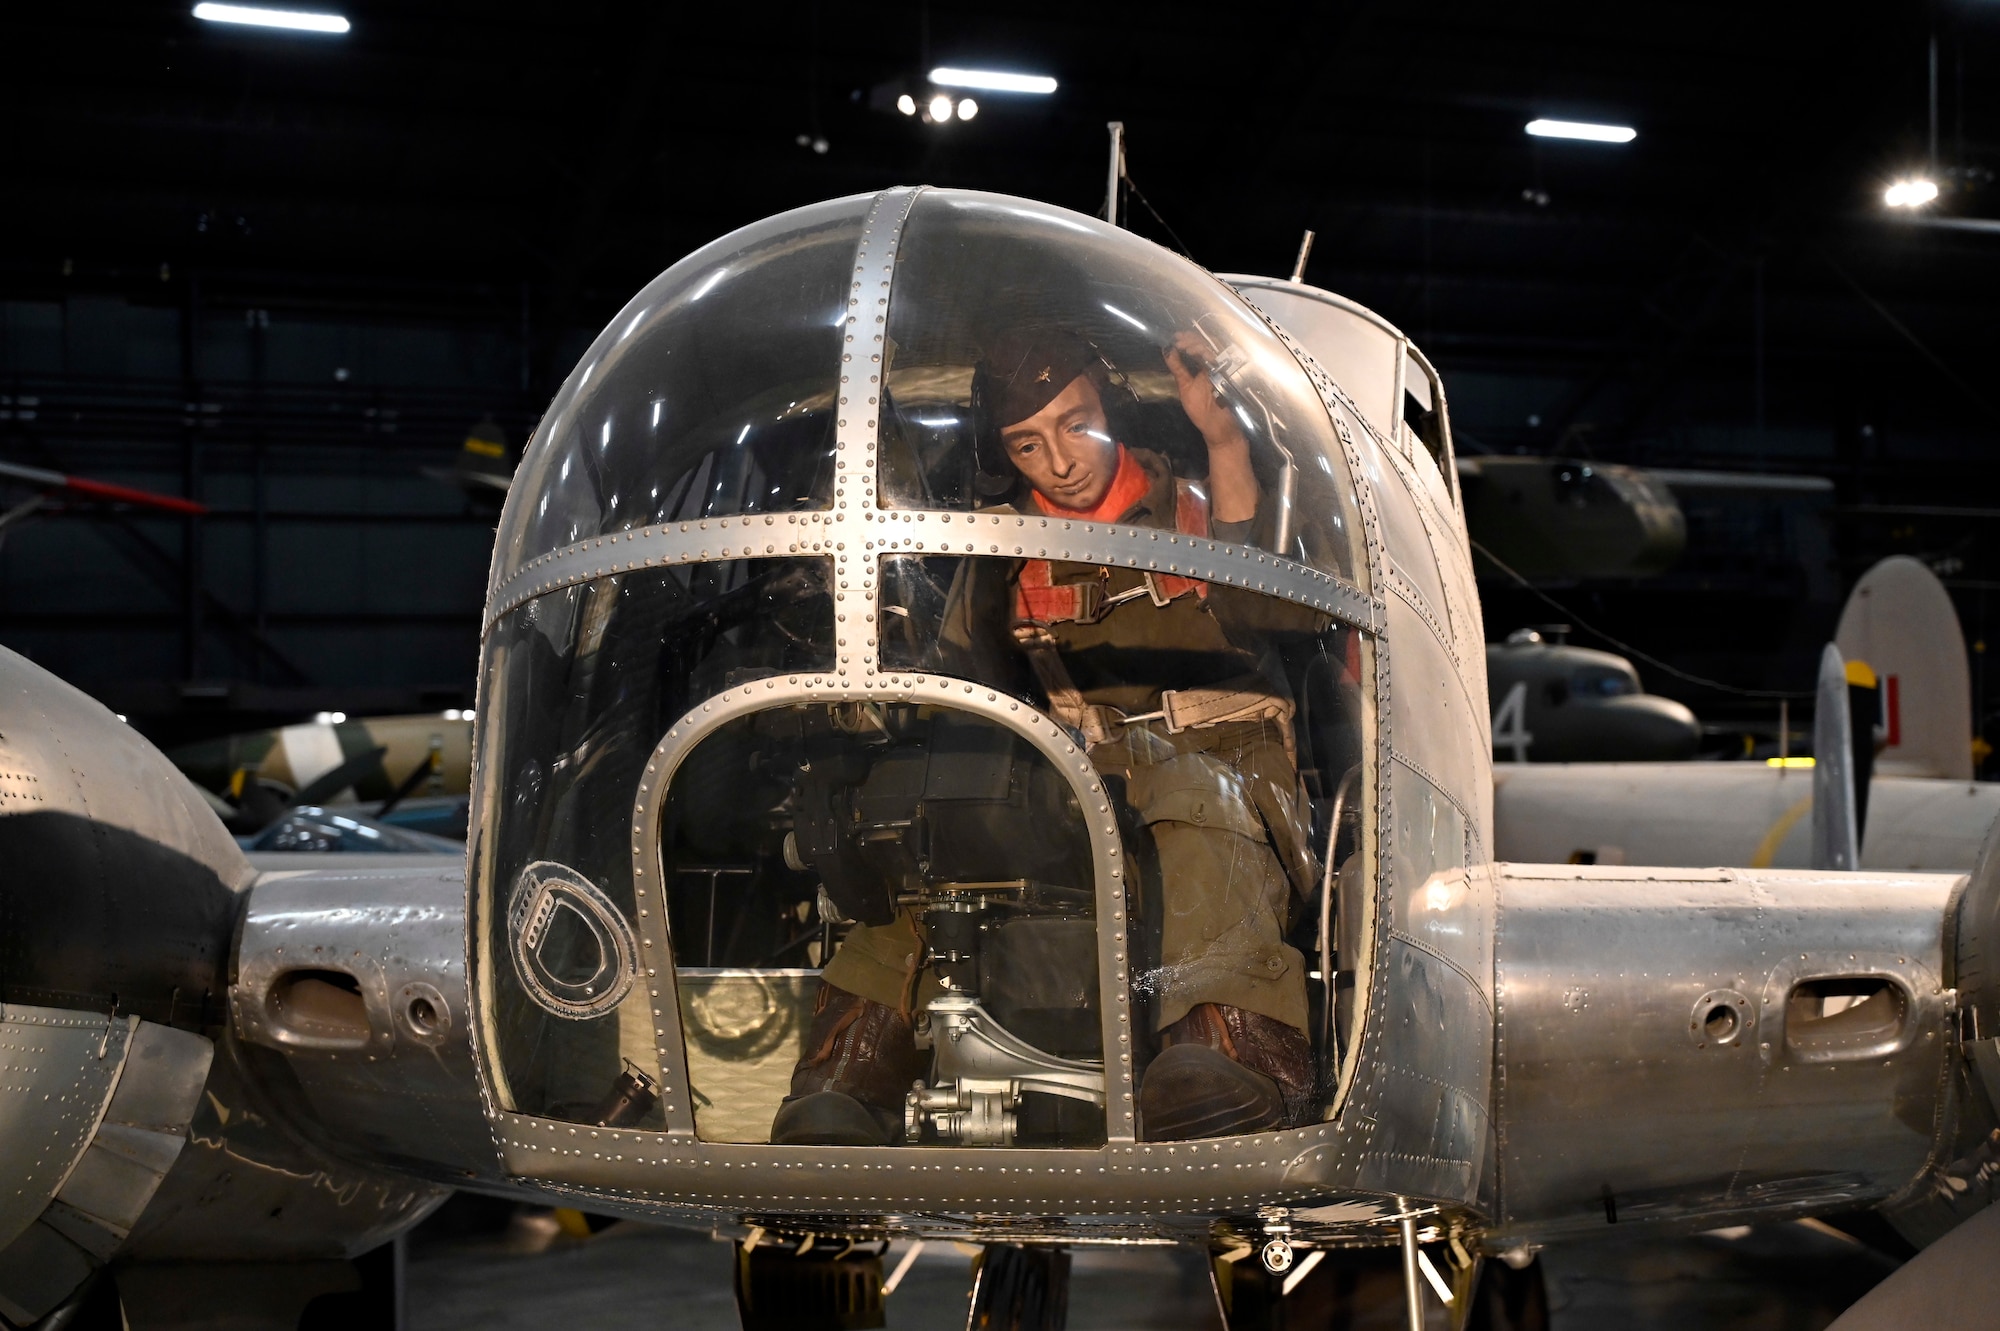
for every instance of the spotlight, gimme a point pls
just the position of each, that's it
(329, 718)
(940, 108)
(1910, 193)
(907, 104)
(967, 108)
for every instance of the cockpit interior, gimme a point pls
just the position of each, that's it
(791, 692)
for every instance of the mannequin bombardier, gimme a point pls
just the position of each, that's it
(1160, 674)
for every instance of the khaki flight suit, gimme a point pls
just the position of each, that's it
(1229, 820)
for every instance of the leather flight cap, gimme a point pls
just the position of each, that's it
(1025, 369)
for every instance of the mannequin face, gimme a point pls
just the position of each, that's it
(1065, 450)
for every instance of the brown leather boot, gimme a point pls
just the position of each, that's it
(860, 1059)
(1224, 1071)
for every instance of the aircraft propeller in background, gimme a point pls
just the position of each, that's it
(48, 484)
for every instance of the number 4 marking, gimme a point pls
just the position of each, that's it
(1510, 722)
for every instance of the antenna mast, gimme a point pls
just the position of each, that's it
(1305, 249)
(1117, 128)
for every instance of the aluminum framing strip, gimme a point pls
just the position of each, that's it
(1370, 1003)
(885, 532)
(1063, 751)
(1025, 536)
(914, 1189)
(856, 579)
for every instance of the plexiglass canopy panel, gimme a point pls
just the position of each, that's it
(579, 686)
(711, 393)
(978, 654)
(787, 831)
(1026, 341)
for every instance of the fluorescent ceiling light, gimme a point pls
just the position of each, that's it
(1910, 193)
(992, 80)
(1582, 129)
(295, 20)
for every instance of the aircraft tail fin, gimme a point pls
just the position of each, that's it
(1899, 619)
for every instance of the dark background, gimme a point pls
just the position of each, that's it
(282, 272)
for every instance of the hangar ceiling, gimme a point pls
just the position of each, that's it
(343, 251)
(441, 156)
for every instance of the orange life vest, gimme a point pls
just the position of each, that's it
(1039, 598)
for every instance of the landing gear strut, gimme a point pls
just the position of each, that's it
(783, 1286)
(1509, 1298)
(1019, 1289)
(1264, 1290)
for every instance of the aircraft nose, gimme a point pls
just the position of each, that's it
(1660, 729)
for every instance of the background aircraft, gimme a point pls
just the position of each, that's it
(235, 1081)
(1555, 703)
(482, 469)
(53, 488)
(416, 768)
(1919, 806)
(1553, 517)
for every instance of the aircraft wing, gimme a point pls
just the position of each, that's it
(1749, 815)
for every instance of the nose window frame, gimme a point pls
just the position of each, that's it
(857, 534)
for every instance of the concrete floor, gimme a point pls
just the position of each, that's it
(1771, 1278)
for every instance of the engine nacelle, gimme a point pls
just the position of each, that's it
(146, 1133)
